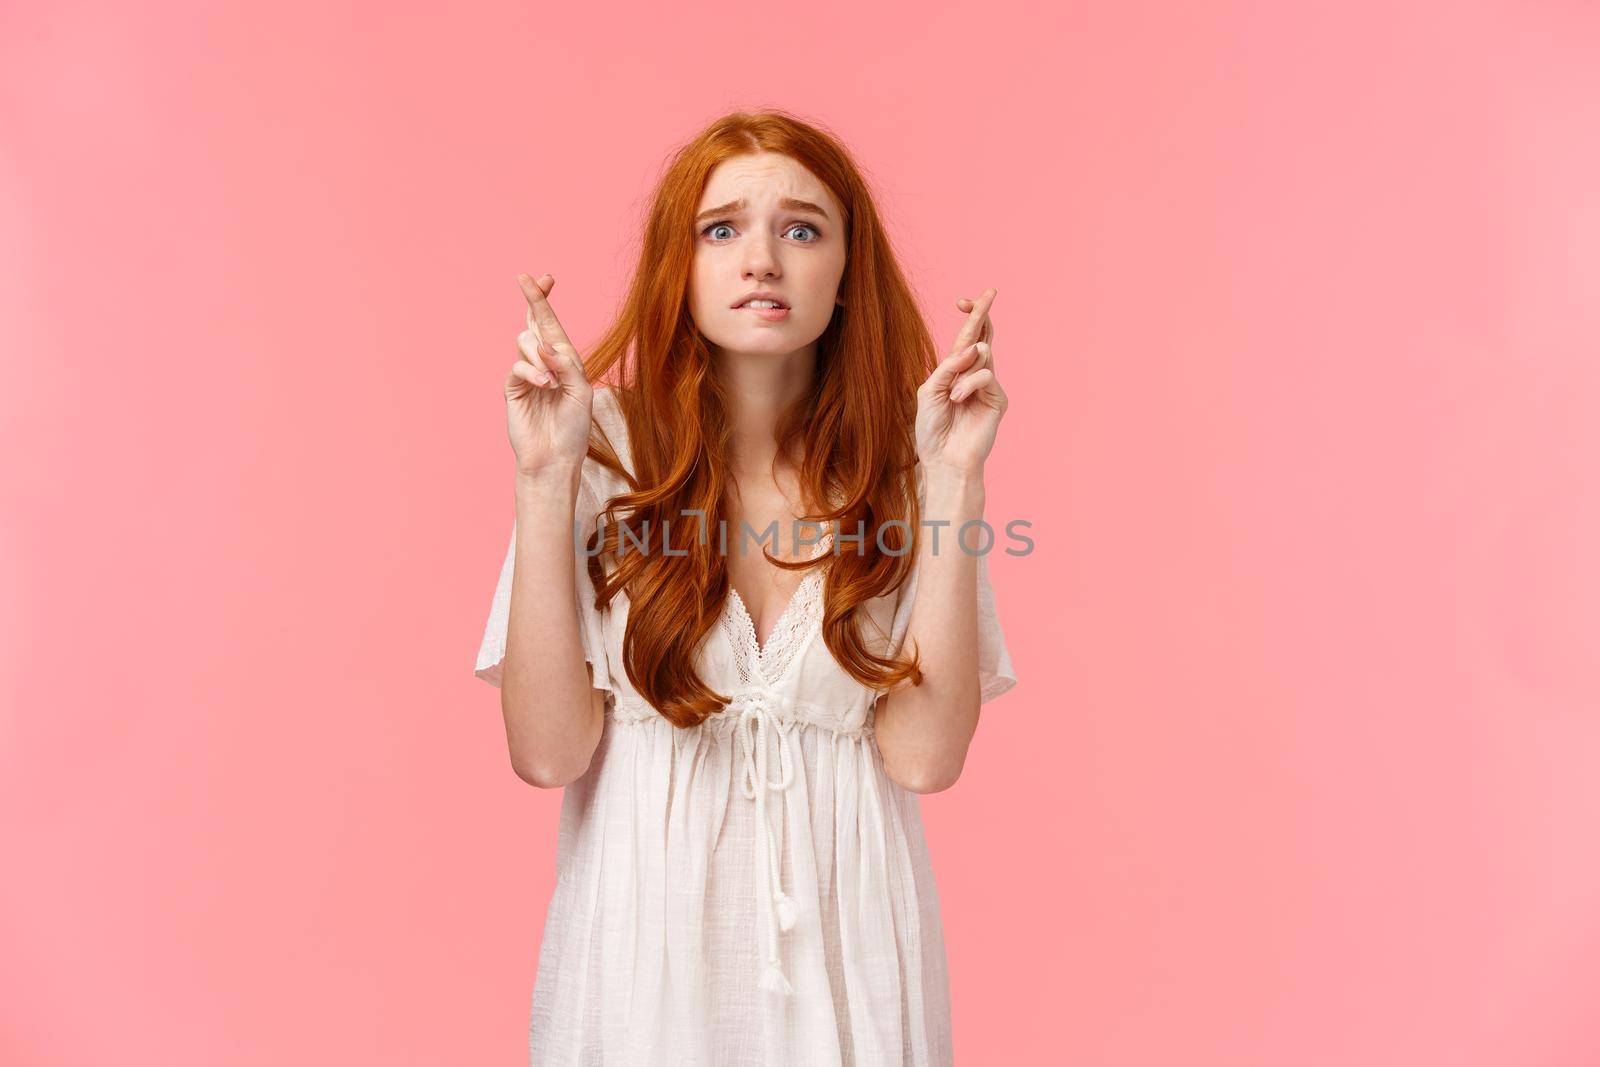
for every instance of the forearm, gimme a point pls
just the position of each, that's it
(924, 731)
(552, 720)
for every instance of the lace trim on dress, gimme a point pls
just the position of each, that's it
(758, 665)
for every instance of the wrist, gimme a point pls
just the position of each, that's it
(555, 478)
(948, 480)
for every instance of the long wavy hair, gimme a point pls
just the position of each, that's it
(854, 432)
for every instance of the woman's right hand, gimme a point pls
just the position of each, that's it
(549, 400)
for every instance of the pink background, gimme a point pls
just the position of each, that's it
(1297, 310)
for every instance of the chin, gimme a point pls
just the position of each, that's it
(779, 340)
(776, 347)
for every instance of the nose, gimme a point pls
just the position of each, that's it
(760, 258)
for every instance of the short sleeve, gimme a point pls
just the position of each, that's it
(995, 674)
(591, 622)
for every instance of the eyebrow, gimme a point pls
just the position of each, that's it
(788, 203)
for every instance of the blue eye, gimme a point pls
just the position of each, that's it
(791, 229)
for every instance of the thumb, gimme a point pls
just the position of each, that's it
(567, 368)
(945, 373)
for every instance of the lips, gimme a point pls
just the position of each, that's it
(762, 294)
(767, 314)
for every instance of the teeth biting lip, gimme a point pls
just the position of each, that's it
(762, 296)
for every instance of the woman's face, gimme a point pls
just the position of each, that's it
(786, 238)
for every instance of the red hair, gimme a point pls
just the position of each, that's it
(854, 429)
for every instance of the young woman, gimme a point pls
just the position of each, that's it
(742, 874)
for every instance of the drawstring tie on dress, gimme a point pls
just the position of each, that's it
(756, 720)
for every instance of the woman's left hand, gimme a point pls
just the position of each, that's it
(959, 406)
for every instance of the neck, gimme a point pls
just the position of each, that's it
(759, 387)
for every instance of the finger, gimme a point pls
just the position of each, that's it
(987, 334)
(544, 283)
(972, 329)
(544, 286)
(964, 304)
(949, 368)
(567, 369)
(533, 350)
(971, 383)
(544, 316)
(525, 371)
(986, 355)
(523, 378)
(564, 366)
(983, 358)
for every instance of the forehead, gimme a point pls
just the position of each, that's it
(762, 178)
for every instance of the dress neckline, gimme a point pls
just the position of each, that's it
(771, 660)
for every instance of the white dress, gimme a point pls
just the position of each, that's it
(752, 890)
